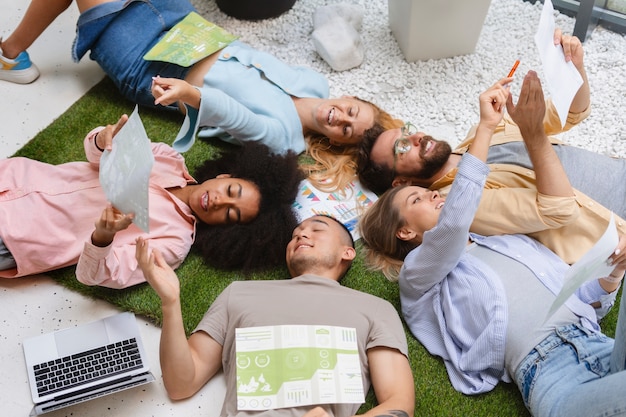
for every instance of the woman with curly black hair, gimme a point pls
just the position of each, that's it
(239, 213)
(262, 242)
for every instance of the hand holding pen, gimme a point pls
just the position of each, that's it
(513, 69)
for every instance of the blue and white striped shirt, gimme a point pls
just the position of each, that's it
(455, 304)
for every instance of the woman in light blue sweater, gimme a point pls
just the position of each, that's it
(237, 94)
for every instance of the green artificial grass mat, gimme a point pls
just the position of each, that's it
(62, 142)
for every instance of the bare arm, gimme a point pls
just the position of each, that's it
(39, 15)
(393, 383)
(186, 364)
(551, 178)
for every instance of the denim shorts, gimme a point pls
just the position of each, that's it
(119, 34)
(568, 374)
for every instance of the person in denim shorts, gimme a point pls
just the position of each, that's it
(239, 93)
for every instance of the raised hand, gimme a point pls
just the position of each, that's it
(572, 48)
(104, 138)
(108, 224)
(530, 109)
(492, 102)
(168, 91)
(157, 272)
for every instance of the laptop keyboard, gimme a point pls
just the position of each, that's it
(91, 365)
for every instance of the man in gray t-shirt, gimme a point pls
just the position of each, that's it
(318, 256)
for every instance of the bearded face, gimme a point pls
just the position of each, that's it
(433, 157)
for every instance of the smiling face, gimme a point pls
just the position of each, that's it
(225, 200)
(420, 208)
(319, 245)
(424, 158)
(343, 120)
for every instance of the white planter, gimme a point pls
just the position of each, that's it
(433, 29)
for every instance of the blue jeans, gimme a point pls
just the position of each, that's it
(576, 372)
(119, 34)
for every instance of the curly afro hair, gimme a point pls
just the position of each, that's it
(260, 244)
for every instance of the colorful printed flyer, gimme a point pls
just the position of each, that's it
(297, 365)
(190, 40)
(345, 205)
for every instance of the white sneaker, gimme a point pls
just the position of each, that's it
(18, 70)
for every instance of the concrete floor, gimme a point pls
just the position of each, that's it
(33, 305)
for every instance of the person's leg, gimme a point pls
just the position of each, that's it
(39, 15)
(568, 374)
(601, 397)
(15, 65)
(109, 33)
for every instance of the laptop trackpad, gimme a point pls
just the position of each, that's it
(78, 339)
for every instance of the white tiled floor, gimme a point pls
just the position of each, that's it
(30, 306)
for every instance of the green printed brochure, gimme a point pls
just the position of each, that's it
(190, 40)
(297, 365)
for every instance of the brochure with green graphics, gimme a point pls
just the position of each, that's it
(190, 40)
(297, 365)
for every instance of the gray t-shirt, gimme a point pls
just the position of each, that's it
(599, 176)
(306, 300)
(528, 303)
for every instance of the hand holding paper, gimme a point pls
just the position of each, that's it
(562, 78)
(110, 222)
(125, 170)
(592, 265)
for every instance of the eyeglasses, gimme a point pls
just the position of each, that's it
(402, 145)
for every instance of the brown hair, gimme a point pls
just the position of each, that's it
(376, 177)
(382, 249)
(333, 167)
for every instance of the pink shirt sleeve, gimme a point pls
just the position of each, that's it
(172, 225)
(92, 153)
(115, 266)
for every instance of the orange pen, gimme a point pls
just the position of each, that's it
(513, 69)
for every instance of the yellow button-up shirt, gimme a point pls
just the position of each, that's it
(511, 203)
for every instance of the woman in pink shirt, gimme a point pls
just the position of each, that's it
(57, 215)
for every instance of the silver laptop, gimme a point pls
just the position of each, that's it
(77, 364)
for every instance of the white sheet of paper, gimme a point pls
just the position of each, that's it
(562, 78)
(591, 266)
(297, 365)
(125, 170)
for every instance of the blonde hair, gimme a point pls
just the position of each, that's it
(334, 167)
(382, 249)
